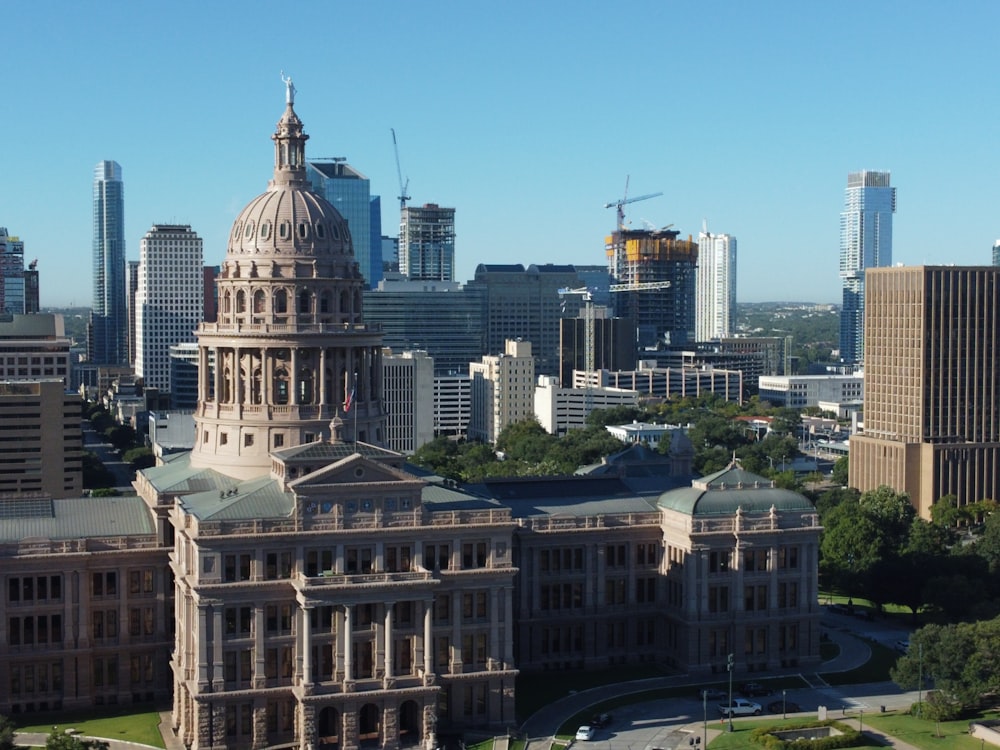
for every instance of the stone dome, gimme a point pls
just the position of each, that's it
(290, 219)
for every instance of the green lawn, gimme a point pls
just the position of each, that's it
(876, 669)
(138, 727)
(924, 734)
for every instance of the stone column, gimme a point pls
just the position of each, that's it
(508, 597)
(348, 642)
(259, 664)
(218, 677)
(293, 378)
(428, 642)
(217, 376)
(322, 377)
(201, 638)
(202, 374)
(495, 651)
(307, 680)
(455, 660)
(387, 648)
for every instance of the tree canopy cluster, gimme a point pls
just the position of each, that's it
(874, 546)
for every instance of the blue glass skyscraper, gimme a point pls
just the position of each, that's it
(350, 192)
(865, 242)
(108, 331)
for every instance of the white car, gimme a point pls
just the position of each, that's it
(740, 707)
(585, 733)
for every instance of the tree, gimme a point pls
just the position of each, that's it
(95, 473)
(840, 471)
(139, 458)
(7, 734)
(961, 660)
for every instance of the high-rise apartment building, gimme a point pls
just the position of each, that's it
(11, 274)
(34, 347)
(503, 391)
(715, 282)
(865, 242)
(350, 193)
(932, 384)
(653, 274)
(169, 300)
(427, 242)
(108, 334)
(996, 253)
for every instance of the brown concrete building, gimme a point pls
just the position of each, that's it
(41, 442)
(86, 612)
(932, 384)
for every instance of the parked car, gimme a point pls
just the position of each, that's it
(753, 689)
(740, 707)
(787, 707)
(585, 733)
(601, 720)
(712, 694)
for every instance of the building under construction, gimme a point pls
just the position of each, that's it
(654, 284)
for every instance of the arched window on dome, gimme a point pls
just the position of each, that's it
(255, 383)
(241, 302)
(280, 389)
(281, 301)
(303, 230)
(259, 299)
(320, 231)
(227, 302)
(265, 230)
(285, 230)
(305, 301)
(305, 385)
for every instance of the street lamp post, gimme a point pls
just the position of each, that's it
(729, 668)
(783, 704)
(704, 712)
(920, 678)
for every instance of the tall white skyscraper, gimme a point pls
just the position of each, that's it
(715, 286)
(169, 298)
(865, 242)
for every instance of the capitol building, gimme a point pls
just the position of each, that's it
(291, 583)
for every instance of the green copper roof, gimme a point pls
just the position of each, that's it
(733, 488)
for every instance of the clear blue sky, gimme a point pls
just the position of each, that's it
(526, 116)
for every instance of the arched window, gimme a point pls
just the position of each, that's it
(258, 301)
(255, 396)
(227, 387)
(281, 301)
(227, 302)
(280, 389)
(305, 385)
(304, 301)
(241, 302)
(324, 302)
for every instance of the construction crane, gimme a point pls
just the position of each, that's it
(639, 286)
(403, 197)
(625, 200)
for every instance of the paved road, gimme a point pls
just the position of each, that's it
(671, 723)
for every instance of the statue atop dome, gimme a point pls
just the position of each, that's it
(289, 89)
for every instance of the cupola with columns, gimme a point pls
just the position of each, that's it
(294, 360)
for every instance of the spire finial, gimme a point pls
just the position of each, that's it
(289, 89)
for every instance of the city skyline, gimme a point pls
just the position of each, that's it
(529, 133)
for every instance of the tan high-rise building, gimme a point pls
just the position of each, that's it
(503, 391)
(932, 384)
